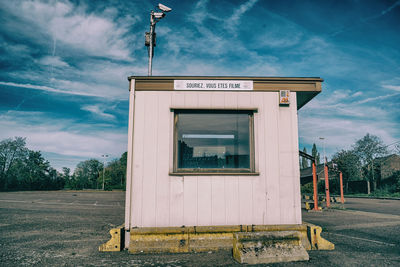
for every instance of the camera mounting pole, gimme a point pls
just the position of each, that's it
(150, 37)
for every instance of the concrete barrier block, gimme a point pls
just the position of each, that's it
(318, 242)
(268, 247)
(301, 228)
(217, 229)
(161, 230)
(211, 238)
(309, 205)
(163, 242)
(210, 241)
(116, 241)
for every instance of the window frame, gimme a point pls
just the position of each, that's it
(214, 171)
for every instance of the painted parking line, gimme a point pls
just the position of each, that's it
(17, 201)
(374, 215)
(58, 203)
(365, 225)
(364, 239)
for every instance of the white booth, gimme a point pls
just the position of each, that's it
(214, 151)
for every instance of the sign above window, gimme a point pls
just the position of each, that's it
(217, 85)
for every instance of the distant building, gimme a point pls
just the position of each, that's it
(388, 165)
(306, 175)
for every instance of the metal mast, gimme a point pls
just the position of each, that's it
(150, 37)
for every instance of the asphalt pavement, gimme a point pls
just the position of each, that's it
(65, 228)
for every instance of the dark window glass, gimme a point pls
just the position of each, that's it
(213, 140)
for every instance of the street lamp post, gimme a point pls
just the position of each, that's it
(150, 40)
(328, 199)
(323, 144)
(104, 164)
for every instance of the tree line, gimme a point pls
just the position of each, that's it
(89, 174)
(361, 162)
(25, 169)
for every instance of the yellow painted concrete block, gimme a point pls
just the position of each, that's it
(165, 242)
(279, 227)
(318, 242)
(161, 230)
(210, 241)
(218, 229)
(115, 243)
(210, 238)
(309, 206)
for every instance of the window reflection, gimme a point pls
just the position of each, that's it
(213, 139)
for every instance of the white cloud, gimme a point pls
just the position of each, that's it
(235, 19)
(61, 136)
(91, 42)
(342, 119)
(392, 87)
(341, 133)
(112, 74)
(282, 33)
(199, 13)
(98, 111)
(383, 12)
(45, 88)
(204, 38)
(96, 78)
(74, 144)
(356, 94)
(376, 98)
(53, 61)
(97, 34)
(356, 24)
(19, 50)
(95, 88)
(278, 38)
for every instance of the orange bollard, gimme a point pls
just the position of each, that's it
(328, 198)
(341, 187)
(314, 172)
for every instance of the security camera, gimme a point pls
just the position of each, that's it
(158, 15)
(164, 8)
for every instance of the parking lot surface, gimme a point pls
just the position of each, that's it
(65, 228)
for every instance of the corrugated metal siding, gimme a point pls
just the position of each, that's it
(161, 200)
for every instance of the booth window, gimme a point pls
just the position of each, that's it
(213, 141)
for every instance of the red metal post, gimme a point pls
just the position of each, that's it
(314, 172)
(341, 187)
(328, 198)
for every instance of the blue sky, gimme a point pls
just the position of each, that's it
(64, 65)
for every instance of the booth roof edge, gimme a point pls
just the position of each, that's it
(255, 78)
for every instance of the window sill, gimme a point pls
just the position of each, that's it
(214, 173)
